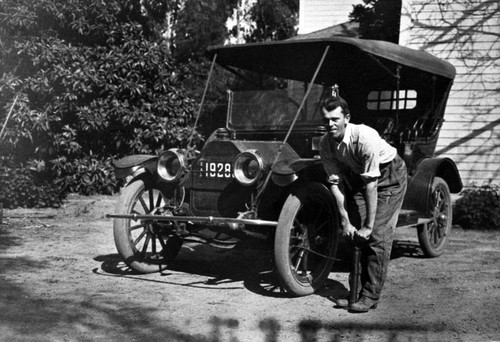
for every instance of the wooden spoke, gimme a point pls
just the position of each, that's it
(159, 200)
(137, 226)
(139, 238)
(144, 205)
(145, 247)
(151, 199)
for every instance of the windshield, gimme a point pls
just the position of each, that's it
(274, 108)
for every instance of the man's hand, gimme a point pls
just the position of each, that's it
(349, 230)
(364, 232)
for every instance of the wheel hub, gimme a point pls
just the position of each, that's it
(319, 240)
(304, 238)
(442, 223)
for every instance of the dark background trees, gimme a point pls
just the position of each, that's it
(98, 80)
(378, 19)
(274, 20)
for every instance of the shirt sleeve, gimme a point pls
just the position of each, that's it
(331, 165)
(370, 154)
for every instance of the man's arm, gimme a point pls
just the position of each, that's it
(371, 207)
(333, 170)
(338, 192)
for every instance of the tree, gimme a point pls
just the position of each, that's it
(378, 19)
(201, 23)
(102, 79)
(95, 81)
(274, 20)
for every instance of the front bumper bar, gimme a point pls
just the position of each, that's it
(210, 220)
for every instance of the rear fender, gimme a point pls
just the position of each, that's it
(134, 165)
(420, 184)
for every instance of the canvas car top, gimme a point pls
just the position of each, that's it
(297, 58)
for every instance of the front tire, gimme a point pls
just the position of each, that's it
(306, 239)
(433, 235)
(146, 246)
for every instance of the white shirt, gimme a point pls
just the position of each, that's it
(362, 150)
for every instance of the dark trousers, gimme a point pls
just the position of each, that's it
(376, 253)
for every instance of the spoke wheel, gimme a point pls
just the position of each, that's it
(433, 235)
(145, 245)
(306, 239)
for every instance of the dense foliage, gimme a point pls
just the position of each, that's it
(478, 208)
(274, 20)
(378, 19)
(25, 185)
(93, 83)
(99, 80)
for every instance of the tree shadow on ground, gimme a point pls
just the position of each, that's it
(31, 318)
(7, 239)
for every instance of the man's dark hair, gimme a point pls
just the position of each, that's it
(333, 102)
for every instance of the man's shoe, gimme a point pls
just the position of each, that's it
(364, 304)
(342, 303)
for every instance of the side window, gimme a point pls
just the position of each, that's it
(388, 99)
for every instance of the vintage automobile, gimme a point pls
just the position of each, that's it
(261, 176)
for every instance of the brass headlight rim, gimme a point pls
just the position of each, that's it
(238, 172)
(163, 171)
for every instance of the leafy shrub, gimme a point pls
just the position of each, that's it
(26, 185)
(478, 208)
(89, 78)
(88, 175)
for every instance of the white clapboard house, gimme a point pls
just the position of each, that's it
(465, 33)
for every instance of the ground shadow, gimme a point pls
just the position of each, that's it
(252, 265)
(32, 318)
(333, 290)
(7, 239)
(407, 249)
(249, 263)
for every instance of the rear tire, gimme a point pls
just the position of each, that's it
(434, 235)
(307, 230)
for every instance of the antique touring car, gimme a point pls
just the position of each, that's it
(261, 175)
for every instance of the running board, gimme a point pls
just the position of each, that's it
(411, 218)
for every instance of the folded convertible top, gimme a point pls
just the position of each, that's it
(298, 58)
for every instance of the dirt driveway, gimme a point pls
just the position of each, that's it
(61, 280)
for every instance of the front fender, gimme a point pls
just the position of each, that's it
(134, 165)
(420, 184)
(287, 171)
(294, 165)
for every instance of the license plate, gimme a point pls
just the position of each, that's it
(216, 170)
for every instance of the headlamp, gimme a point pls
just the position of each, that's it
(171, 165)
(248, 167)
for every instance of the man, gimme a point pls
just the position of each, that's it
(368, 181)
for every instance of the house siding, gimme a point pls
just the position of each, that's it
(465, 33)
(315, 15)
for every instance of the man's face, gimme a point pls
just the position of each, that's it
(335, 122)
